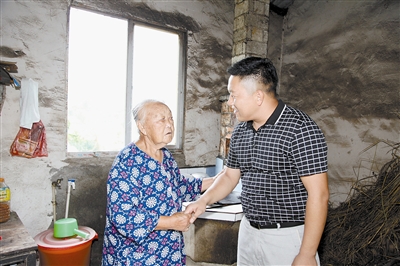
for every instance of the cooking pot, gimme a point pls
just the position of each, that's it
(68, 227)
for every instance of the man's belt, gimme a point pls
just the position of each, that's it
(275, 225)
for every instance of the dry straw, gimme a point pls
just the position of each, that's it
(364, 230)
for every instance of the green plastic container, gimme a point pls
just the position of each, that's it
(68, 227)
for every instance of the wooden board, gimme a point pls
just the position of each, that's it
(15, 239)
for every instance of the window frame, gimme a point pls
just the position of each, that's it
(177, 148)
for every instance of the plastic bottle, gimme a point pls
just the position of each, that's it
(5, 199)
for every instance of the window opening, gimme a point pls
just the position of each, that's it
(114, 64)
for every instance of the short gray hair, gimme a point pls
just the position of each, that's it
(139, 111)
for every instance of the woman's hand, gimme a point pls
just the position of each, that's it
(178, 221)
(181, 221)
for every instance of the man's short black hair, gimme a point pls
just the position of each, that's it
(258, 68)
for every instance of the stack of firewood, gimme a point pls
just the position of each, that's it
(365, 229)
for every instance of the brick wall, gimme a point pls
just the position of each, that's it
(250, 29)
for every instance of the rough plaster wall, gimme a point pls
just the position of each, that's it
(341, 65)
(37, 30)
(274, 46)
(209, 55)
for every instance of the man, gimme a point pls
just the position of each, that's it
(280, 155)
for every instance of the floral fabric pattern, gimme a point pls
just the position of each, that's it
(139, 191)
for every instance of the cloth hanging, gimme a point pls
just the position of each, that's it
(29, 103)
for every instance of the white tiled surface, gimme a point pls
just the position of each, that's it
(230, 213)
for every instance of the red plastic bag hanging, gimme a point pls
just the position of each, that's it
(30, 143)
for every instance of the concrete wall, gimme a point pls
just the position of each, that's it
(34, 35)
(340, 64)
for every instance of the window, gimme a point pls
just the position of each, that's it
(113, 65)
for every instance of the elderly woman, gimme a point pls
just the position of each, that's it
(145, 191)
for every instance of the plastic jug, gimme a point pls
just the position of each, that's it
(5, 199)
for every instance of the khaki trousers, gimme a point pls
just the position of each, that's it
(266, 247)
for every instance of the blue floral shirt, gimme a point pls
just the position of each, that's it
(139, 191)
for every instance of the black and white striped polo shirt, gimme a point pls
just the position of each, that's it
(272, 160)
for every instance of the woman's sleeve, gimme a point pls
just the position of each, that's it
(190, 187)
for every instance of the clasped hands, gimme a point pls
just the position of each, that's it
(184, 219)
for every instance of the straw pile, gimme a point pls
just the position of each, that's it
(365, 230)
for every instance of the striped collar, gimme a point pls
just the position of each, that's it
(273, 118)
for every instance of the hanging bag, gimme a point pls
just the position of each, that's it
(30, 143)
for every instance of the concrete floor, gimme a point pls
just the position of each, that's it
(189, 262)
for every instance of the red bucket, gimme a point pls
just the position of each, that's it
(65, 251)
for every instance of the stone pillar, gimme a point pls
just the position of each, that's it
(250, 29)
